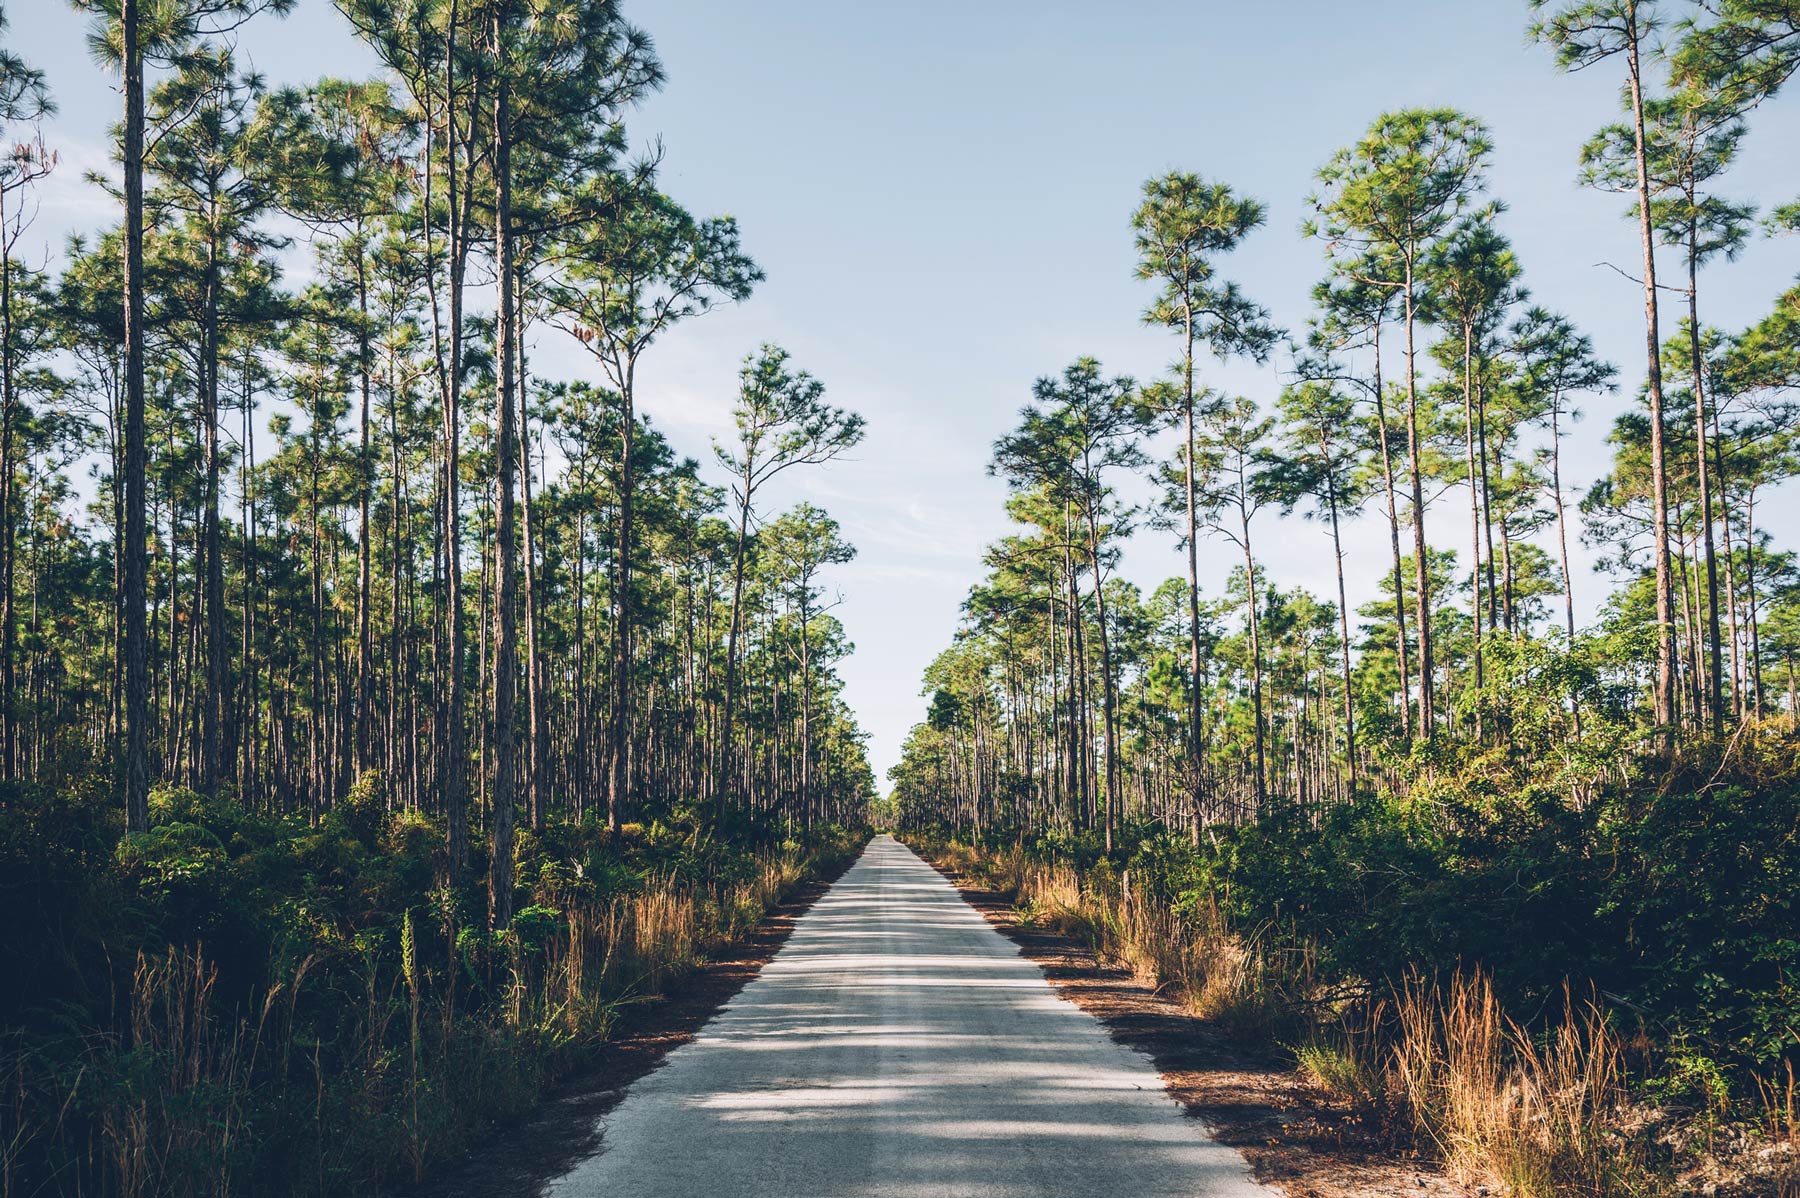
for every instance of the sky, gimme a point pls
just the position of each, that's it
(940, 194)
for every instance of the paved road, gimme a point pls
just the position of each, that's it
(899, 1047)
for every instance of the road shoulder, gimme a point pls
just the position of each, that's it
(566, 1126)
(1293, 1135)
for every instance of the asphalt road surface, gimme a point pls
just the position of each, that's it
(899, 1047)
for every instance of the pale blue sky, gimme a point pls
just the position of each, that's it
(940, 194)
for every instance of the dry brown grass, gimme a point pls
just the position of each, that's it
(1532, 1114)
(1780, 1103)
(1235, 981)
(1527, 1113)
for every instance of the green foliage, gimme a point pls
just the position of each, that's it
(1677, 897)
(290, 1008)
(1708, 894)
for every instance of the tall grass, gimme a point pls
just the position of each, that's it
(364, 1068)
(1533, 1112)
(1780, 1102)
(1538, 1113)
(1241, 983)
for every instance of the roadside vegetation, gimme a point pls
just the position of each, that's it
(1550, 1002)
(1518, 885)
(239, 1003)
(381, 713)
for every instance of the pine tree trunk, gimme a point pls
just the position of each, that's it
(132, 601)
(1196, 747)
(1337, 557)
(1715, 703)
(1109, 706)
(506, 565)
(1256, 680)
(213, 759)
(453, 762)
(619, 721)
(1393, 515)
(1665, 616)
(727, 750)
(365, 663)
(9, 704)
(1421, 571)
(1474, 514)
(538, 783)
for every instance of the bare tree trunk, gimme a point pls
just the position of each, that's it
(1256, 685)
(365, 664)
(506, 566)
(1421, 571)
(1393, 514)
(1499, 612)
(727, 750)
(1731, 587)
(137, 663)
(453, 763)
(1665, 616)
(1108, 701)
(1196, 749)
(213, 761)
(1562, 530)
(248, 786)
(8, 517)
(619, 724)
(536, 675)
(1715, 691)
(1474, 514)
(1337, 557)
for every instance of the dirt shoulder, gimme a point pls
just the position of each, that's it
(566, 1127)
(1294, 1136)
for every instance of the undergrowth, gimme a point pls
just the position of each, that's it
(1594, 998)
(234, 1004)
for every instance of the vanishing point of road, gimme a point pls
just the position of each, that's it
(900, 1047)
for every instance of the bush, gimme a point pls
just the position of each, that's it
(236, 1002)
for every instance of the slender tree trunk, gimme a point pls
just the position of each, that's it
(806, 794)
(1715, 701)
(1421, 570)
(1393, 514)
(1337, 557)
(400, 681)
(1474, 513)
(1196, 746)
(1495, 605)
(1754, 680)
(1256, 680)
(1665, 616)
(213, 762)
(453, 767)
(249, 784)
(316, 767)
(1731, 587)
(619, 722)
(9, 703)
(1562, 530)
(506, 566)
(536, 674)
(727, 751)
(365, 663)
(132, 602)
(1109, 705)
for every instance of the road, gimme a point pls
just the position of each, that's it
(897, 1047)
